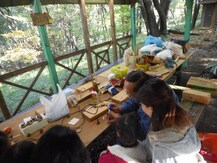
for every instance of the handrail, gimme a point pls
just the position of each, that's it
(21, 71)
(100, 57)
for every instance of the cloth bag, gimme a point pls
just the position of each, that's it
(57, 107)
(129, 58)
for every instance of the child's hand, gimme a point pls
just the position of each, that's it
(114, 108)
(111, 117)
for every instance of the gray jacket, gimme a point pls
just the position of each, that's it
(173, 146)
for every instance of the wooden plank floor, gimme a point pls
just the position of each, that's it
(194, 109)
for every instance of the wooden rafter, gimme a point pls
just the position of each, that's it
(10, 3)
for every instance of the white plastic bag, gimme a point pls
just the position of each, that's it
(57, 107)
(129, 58)
(176, 48)
(151, 49)
(164, 54)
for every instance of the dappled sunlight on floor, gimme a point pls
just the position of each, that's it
(205, 47)
(209, 59)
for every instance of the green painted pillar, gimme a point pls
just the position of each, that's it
(189, 4)
(133, 26)
(46, 47)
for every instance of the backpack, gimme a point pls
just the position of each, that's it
(184, 43)
(210, 71)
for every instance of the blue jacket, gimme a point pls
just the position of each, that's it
(132, 105)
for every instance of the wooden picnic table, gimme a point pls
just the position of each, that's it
(90, 131)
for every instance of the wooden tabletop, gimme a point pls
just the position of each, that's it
(178, 64)
(89, 130)
(163, 72)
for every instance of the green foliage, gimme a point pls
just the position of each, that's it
(65, 29)
(99, 22)
(140, 39)
(176, 14)
(122, 20)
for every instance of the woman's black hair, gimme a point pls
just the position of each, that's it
(20, 152)
(60, 144)
(127, 128)
(138, 77)
(166, 112)
(4, 142)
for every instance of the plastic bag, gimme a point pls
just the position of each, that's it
(150, 49)
(119, 71)
(176, 48)
(210, 71)
(57, 107)
(129, 58)
(154, 40)
(164, 54)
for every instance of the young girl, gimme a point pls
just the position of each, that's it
(172, 137)
(4, 144)
(60, 144)
(19, 153)
(129, 148)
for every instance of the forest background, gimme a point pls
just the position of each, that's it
(20, 44)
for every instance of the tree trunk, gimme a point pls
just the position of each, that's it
(103, 19)
(144, 14)
(139, 16)
(162, 17)
(162, 9)
(195, 14)
(165, 5)
(151, 19)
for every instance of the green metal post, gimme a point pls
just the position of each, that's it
(133, 26)
(189, 4)
(46, 48)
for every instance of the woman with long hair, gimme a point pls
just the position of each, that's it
(172, 136)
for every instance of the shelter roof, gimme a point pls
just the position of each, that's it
(10, 3)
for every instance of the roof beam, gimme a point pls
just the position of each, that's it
(11, 3)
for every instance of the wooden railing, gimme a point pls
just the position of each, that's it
(123, 44)
(101, 56)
